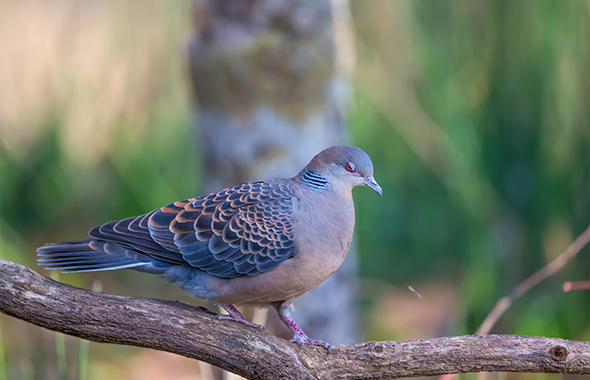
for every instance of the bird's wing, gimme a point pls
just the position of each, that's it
(244, 230)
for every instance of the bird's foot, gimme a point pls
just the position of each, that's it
(299, 335)
(302, 339)
(235, 315)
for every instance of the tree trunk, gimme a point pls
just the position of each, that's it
(270, 80)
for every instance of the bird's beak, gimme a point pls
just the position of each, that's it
(370, 182)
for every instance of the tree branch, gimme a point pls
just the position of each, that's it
(192, 332)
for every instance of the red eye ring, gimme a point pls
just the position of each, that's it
(349, 167)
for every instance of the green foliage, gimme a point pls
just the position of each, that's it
(505, 87)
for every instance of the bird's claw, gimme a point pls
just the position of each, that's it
(243, 321)
(303, 339)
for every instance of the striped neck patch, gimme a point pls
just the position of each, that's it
(314, 180)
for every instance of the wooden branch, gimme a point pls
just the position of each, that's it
(192, 332)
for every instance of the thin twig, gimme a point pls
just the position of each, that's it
(576, 285)
(505, 302)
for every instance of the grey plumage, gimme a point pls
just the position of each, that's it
(262, 243)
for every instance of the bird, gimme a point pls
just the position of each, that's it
(259, 243)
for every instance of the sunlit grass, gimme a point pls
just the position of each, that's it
(83, 359)
(60, 350)
(3, 369)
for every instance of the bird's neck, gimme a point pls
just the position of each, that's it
(313, 179)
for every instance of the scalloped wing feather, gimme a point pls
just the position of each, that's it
(244, 230)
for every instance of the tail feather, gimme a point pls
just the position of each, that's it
(96, 267)
(80, 256)
(70, 246)
(65, 255)
(80, 261)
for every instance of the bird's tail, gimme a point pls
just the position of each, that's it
(89, 256)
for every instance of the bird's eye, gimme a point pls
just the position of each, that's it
(350, 167)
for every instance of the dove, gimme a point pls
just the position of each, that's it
(259, 243)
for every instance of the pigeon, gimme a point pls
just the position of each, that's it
(259, 243)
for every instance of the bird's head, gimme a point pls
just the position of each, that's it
(342, 166)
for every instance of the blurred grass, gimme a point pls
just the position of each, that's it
(60, 350)
(475, 114)
(3, 369)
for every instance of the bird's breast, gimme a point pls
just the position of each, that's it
(323, 228)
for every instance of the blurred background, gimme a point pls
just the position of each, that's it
(475, 113)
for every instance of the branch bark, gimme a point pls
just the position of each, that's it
(192, 332)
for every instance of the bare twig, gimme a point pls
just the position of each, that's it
(548, 270)
(192, 332)
(576, 285)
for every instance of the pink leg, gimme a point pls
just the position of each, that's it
(299, 336)
(235, 315)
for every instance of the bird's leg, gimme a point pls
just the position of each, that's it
(299, 336)
(235, 315)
